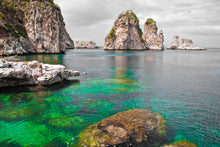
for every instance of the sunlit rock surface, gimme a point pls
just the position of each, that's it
(138, 125)
(20, 73)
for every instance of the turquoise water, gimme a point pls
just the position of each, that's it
(183, 86)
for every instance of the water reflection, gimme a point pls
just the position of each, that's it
(44, 58)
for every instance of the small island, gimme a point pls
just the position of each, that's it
(85, 44)
(185, 44)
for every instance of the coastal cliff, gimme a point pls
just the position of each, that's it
(185, 44)
(153, 40)
(126, 33)
(32, 26)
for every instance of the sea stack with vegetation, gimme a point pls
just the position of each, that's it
(185, 44)
(153, 40)
(32, 26)
(126, 33)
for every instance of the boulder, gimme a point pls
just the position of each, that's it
(20, 73)
(153, 40)
(85, 44)
(138, 125)
(181, 144)
(37, 28)
(185, 44)
(125, 34)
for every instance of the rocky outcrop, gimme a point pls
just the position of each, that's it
(20, 73)
(185, 44)
(138, 125)
(32, 27)
(125, 34)
(153, 40)
(85, 44)
(175, 43)
(181, 144)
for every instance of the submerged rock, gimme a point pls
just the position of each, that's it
(85, 44)
(20, 73)
(126, 33)
(153, 40)
(185, 44)
(181, 144)
(138, 125)
(32, 27)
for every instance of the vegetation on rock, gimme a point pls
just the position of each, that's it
(136, 124)
(150, 21)
(182, 143)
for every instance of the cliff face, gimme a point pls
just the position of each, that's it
(32, 27)
(153, 40)
(125, 34)
(185, 44)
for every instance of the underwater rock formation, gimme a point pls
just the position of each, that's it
(126, 33)
(85, 44)
(181, 144)
(153, 40)
(138, 125)
(20, 73)
(185, 44)
(32, 27)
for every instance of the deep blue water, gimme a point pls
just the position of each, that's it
(183, 86)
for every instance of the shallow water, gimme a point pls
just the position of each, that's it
(183, 86)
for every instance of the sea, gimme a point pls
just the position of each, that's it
(181, 85)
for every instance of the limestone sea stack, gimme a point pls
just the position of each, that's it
(153, 40)
(32, 27)
(85, 44)
(20, 73)
(125, 128)
(125, 34)
(185, 44)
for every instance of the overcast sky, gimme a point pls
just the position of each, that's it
(198, 20)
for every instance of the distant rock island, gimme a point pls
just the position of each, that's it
(153, 40)
(126, 33)
(85, 44)
(185, 44)
(34, 26)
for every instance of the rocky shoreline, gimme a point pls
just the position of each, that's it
(20, 73)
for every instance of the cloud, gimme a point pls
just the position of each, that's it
(92, 19)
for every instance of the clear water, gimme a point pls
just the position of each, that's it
(183, 86)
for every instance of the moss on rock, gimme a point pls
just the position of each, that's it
(182, 143)
(135, 124)
(150, 21)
